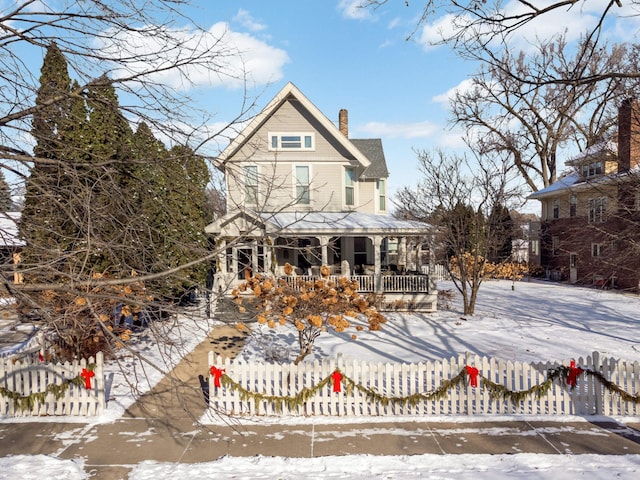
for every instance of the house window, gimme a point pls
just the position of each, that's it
(349, 186)
(382, 195)
(556, 208)
(596, 249)
(535, 247)
(302, 185)
(291, 141)
(597, 209)
(555, 246)
(573, 205)
(251, 184)
(592, 169)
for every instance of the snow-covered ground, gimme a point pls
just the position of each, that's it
(534, 321)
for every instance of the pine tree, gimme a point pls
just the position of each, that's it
(46, 196)
(6, 203)
(502, 232)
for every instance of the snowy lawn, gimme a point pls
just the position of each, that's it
(535, 321)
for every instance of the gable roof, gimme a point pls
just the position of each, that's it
(372, 149)
(290, 90)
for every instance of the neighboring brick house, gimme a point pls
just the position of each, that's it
(590, 222)
(300, 191)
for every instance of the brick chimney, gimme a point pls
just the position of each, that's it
(343, 122)
(628, 135)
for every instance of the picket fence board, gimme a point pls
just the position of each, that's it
(588, 397)
(29, 375)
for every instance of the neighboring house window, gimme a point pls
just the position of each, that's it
(591, 169)
(291, 141)
(350, 186)
(573, 205)
(597, 209)
(556, 208)
(251, 184)
(382, 195)
(613, 245)
(555, 246)
(302, 185)
(535, 247)
(595, 249)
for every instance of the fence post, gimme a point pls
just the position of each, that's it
(598, 389)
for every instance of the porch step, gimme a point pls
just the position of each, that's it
(227, 311)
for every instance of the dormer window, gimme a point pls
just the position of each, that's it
(592, 169)
(291, 141)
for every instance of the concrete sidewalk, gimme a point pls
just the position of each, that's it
(162, 426)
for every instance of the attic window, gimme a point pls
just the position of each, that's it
(291, 141)
(591, 169)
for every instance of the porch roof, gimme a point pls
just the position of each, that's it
(342, 223)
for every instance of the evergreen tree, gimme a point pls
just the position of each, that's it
(6, 204)
(502, 226)
(46, 196)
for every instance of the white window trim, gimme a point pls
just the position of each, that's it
(597, 212)
(378, 195)
(302, 136)
(295, 184)
(244, 181)
(344, 186)
(596, 250)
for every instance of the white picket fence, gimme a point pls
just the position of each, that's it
(29, 375)
(588, 397)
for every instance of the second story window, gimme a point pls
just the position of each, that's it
(302, 185)
(349, 186)
(556, 208)
(291, 141)
(573, 205)
(251, 184)
(597, 209)
(382, 195)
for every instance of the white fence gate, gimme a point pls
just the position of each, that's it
(48, 389)
(426, 388)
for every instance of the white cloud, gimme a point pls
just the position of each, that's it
(353, 9)
(246, 20)
(445, 98)
(399, 130)
(193, 58)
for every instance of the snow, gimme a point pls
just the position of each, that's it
(523, 321)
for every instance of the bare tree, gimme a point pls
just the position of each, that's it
(532, 127)
(456, 196)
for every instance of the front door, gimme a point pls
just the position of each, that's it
(573, 267)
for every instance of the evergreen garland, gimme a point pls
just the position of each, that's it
(26, 402)
(496, 391)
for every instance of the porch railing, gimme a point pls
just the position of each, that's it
(367, 283)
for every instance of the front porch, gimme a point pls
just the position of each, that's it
(387, 257)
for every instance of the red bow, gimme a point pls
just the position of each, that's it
(473, 375)
(88, 375)
(337, 379)
(572, 376)
(216, 373)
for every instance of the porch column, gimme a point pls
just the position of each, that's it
(269, 255)
(377, 277)
(324, 246)
(402, 252)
